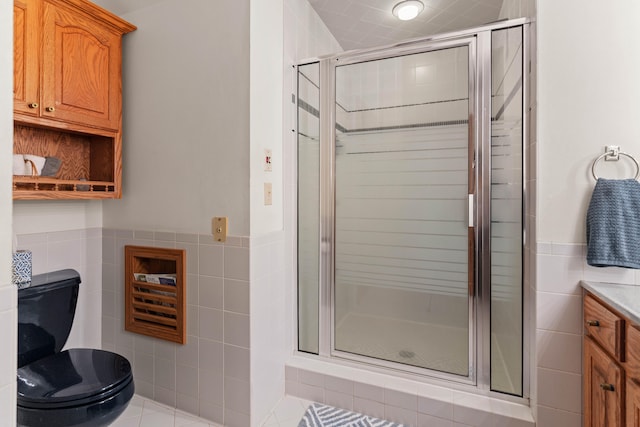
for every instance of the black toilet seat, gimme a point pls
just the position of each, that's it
(71, 378)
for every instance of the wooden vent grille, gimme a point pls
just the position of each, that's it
(155, 292)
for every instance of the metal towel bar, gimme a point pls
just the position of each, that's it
(612, 152)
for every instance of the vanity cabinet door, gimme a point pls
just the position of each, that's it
(26, 56)
(603, 388)
(80, 69)
(633, 404)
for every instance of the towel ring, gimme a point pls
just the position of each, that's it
(614, 152)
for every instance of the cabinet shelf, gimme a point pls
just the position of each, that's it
(27, 188)
(90, 164)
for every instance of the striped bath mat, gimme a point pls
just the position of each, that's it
(319, 415)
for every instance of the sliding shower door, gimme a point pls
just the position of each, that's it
(403, 176)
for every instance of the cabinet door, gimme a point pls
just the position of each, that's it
(26, 68)
(633, 404)
(603, 388)
(81, 69)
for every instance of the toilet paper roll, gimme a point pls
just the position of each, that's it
(21, 267)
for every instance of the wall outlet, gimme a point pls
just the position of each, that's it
(219, 226)
(267, 160)
(268, 195)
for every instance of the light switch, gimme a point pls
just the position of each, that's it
(219, 228)
(267, 160)
(268, 196)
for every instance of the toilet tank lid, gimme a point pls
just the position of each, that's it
(51, 278)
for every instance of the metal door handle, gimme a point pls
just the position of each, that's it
(593, 323)
(607, 387)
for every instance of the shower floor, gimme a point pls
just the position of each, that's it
(426, 345)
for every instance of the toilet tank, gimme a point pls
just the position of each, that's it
(46, 307)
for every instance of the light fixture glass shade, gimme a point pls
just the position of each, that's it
(407, 10)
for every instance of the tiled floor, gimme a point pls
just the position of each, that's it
(143, 412)
(287, 413)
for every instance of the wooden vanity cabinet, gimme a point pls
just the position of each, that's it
(603, 387)
(611, 368)
(633, 404)
(68, 84)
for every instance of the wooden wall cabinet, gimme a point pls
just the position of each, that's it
(26, 58)
(67, 81)
(611, 368)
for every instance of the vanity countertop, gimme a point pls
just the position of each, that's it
(623, 298)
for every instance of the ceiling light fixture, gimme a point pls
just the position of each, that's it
(407, 10)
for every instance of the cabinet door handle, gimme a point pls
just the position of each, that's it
(593, 323)
(50, 109)
(607, 387)
(32, 105)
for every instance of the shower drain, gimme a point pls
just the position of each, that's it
(407, 354)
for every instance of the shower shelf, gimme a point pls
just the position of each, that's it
(155, 309)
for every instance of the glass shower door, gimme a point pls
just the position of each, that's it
(403, 257)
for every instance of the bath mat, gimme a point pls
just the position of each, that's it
(319, 415)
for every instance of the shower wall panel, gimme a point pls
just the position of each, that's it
(308, 206)
(506, 210)
(407, 258)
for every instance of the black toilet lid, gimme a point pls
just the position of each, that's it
(72, 376)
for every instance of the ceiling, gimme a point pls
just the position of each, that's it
(121, 7)
(359, 24)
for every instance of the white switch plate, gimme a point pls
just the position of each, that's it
(267, 160)
(268, 196)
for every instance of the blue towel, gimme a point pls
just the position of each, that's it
(613, 224)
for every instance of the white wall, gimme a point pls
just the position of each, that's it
(282, 33)
(588, 91)
(267, 293)
(52, 216)
(186, 159)
(266, 113)
(186, 118)
(517, 8)
(8, 332)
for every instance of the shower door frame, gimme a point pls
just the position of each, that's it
(328, 68)
(479, 42)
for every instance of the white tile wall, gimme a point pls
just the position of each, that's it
(80, 250)
(399, 400)
(209, 375)
(268, 323)
(558, 357)
(8, 359)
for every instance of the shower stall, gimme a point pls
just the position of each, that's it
(411, 185)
